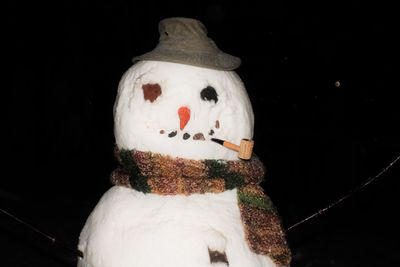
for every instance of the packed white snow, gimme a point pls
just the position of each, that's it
(129, 228)
(138, 122)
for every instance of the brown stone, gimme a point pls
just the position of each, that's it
(216, 256)
(199, 136)
(151, 91)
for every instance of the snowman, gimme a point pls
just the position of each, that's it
(179, 199)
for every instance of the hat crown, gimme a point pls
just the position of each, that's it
(185, 34)
(185, 41)
(181, 28)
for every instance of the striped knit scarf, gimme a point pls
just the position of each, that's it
(164, 175)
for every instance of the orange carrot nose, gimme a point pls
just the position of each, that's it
(184, 116)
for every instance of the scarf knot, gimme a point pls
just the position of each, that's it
(164, 175)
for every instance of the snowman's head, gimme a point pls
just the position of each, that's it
(175, 109)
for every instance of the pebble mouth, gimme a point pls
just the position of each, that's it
(172, 134)
(186, 136)
(197, 137)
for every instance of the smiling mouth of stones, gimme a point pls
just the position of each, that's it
(186, 136)
(198, 136)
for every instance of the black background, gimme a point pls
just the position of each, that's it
(321, 77)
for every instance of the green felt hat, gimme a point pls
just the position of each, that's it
(185, 41)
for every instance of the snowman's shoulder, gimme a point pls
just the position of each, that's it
(120, 193)
(118, 199)
(118, 206)
(121, 205)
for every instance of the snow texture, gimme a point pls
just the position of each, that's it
(138, 122)
(129, 228)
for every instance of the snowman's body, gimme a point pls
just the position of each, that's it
(173, 109)
(129, 228)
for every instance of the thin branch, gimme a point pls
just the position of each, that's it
(344, 197)
(36, 230)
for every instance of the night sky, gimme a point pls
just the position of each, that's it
(321, 78)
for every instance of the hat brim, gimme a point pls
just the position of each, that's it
(218, 61)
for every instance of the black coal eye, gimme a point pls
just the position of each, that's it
(208, 94)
